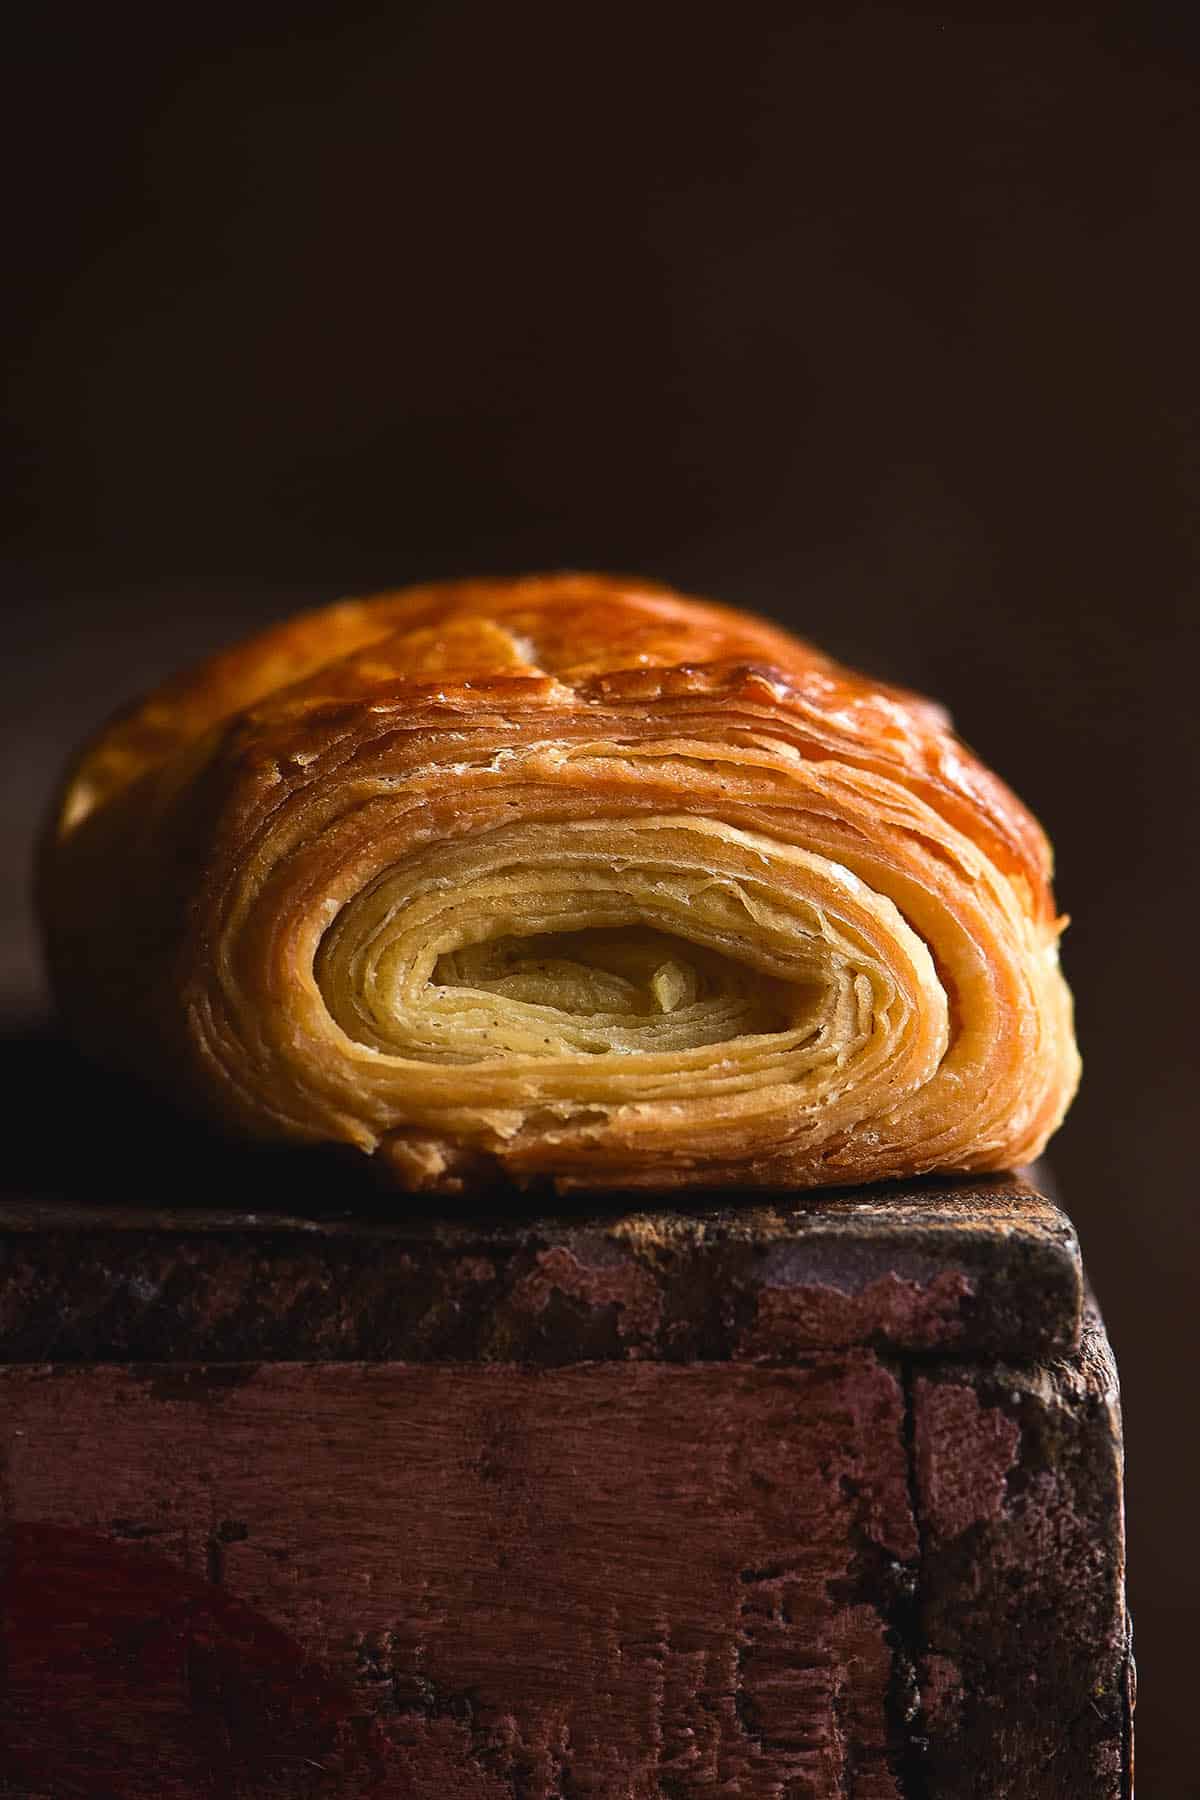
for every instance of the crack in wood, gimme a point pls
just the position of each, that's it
(904, 1696)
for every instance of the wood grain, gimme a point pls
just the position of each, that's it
(608, 1580)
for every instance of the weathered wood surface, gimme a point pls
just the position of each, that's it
(988, 1267)
(833, 1581)
(1023, 1661)
(629, 1504)
(605, 1580)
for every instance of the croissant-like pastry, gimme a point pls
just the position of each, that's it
(566, 877)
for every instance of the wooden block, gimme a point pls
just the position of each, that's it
(990, 1267)
(815, 1502)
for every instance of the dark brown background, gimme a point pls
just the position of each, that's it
(877, 321)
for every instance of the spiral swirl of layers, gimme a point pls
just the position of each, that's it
(564, 877)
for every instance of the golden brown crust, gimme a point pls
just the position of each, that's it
(241, 869)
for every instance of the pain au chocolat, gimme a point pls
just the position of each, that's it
(563, 877)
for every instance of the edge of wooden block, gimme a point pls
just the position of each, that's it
(987, 1267)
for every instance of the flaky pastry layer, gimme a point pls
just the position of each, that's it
(569, 877)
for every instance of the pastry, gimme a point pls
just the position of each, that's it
(564, 877)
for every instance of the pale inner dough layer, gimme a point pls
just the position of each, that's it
(589, 972)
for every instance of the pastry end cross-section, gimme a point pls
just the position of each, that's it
(566, 877)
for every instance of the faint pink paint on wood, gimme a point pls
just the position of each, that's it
(965, 1450)
(804, 1315)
